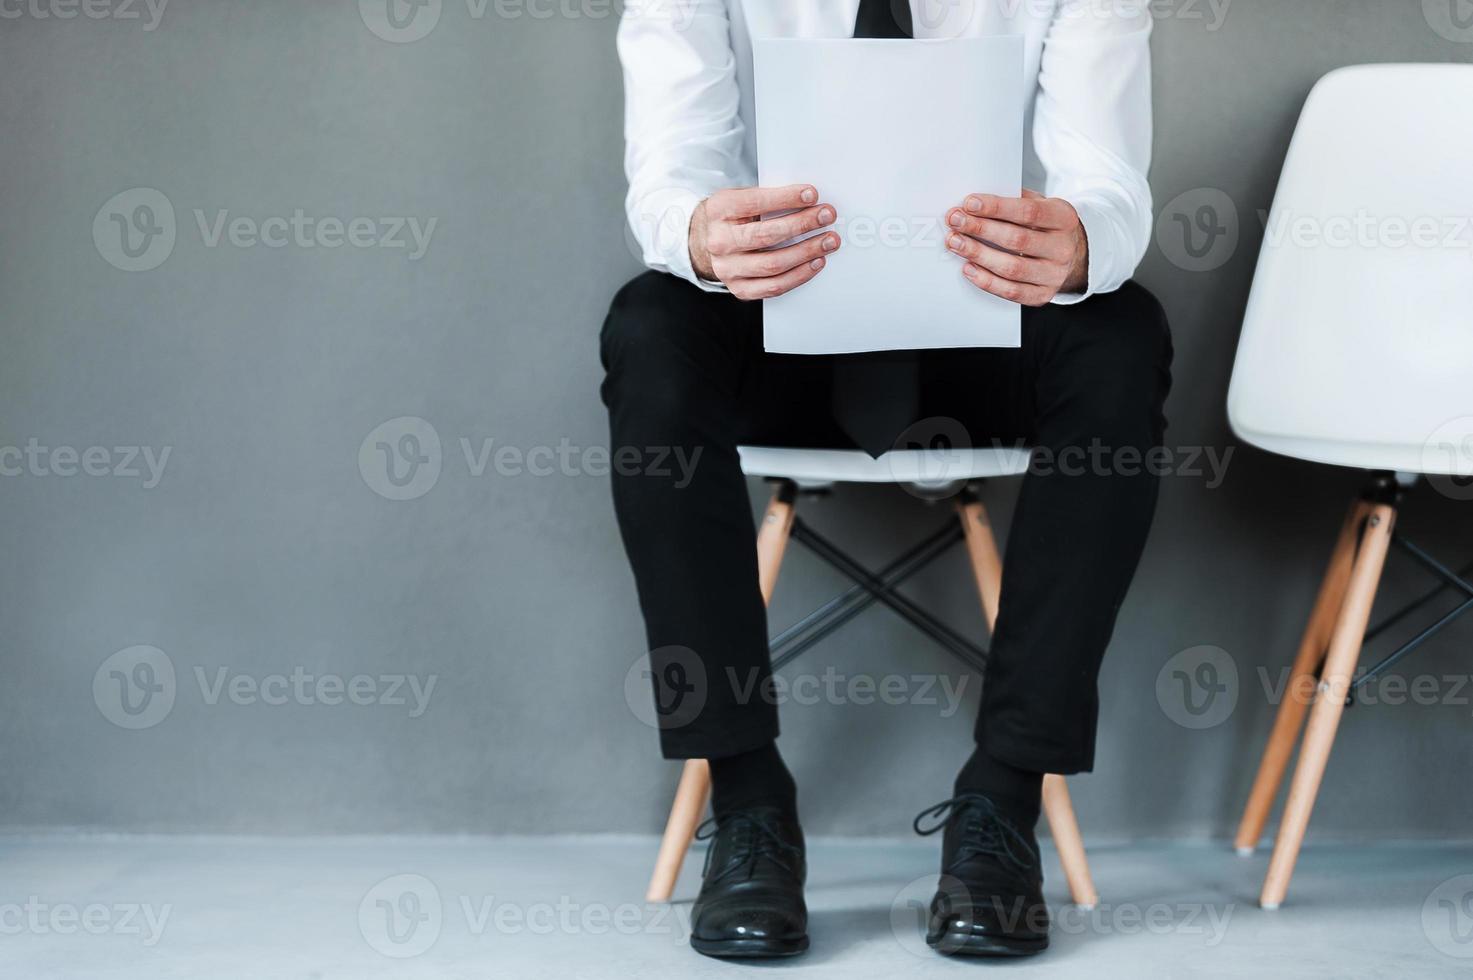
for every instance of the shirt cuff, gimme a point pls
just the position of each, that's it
(662, 227)
(1099, 233)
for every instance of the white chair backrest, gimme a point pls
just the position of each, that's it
(1357, 347)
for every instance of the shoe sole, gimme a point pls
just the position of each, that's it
(750, 949)
(966, 944)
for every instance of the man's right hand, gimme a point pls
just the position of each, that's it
(729, 241)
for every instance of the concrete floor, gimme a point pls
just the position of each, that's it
(115, 907)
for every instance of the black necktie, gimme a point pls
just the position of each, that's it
(876, 396)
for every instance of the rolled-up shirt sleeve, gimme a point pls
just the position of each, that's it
(682, 124)
(1092, 130)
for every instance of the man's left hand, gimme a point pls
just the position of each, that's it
(1025, 249)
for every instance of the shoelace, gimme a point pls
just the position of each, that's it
(752, 839)
(985, 832)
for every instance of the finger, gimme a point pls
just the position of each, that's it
(776, 285)
(1006, 265)
(1032, 195)
(1023, 293)
(775, 231)
(1011, 237)
(764, 265)
(749, 202)
(1035, 212)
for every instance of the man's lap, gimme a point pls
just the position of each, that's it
(784, 400)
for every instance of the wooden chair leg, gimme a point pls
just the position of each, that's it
(695, 778)
(1057, 807)
(1294, 703)
(1324, 718)
(1059, 810)
(680, 829)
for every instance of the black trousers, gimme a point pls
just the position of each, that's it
(686, 374)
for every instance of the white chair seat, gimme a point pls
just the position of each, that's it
(1357, 344)
(921, 467)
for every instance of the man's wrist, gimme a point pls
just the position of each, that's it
(700, 257)
(1078, 281)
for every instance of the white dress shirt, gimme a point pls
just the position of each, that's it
(688, 109)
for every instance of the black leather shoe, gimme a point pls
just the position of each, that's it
(990, 900)
(751, 901)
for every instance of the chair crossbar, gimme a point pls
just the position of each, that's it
(1449, 579)
(880, 587)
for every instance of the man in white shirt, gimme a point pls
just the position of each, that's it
(682, 346)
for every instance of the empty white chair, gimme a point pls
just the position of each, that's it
(930, 473)
(1357, 350)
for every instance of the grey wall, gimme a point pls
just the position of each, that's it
(263, 549)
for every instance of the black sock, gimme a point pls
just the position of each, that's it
(755, 778)
(1017, 793)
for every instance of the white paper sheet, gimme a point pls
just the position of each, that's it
(893, 133)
